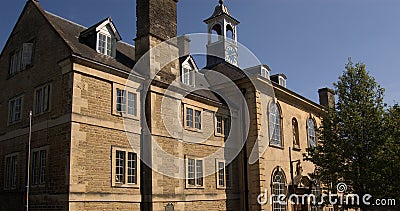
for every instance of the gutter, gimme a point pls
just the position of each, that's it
(107, 66)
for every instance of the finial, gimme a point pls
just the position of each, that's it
(221, 1)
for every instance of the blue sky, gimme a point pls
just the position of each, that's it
(308, 40)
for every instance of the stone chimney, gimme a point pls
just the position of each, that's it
(184, 45)
(326, 97)
(156, 21)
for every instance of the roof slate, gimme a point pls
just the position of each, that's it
(70, 32)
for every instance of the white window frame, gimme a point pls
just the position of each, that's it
(187, 75)
(311, 132)
(42, 173)
(276, 206)
(218, 170)
(12, 110)
(11, 172)
(282, 81)
(125, 183)
(273, 117)
(195, 125)
(109, 43)
(126, 101)
(188, 72)
(264, 73)
(196, 172)
(43, 99)
(225, 125)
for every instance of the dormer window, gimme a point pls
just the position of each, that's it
(264, 73)
(282, 81)
(188, 71)
(105, 44)
(102, 37)
(187, 76)
(261, 70)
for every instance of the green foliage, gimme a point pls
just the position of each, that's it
(359, 140)
(387, 158)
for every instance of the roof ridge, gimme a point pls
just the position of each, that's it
(69, 21)
(123, 42)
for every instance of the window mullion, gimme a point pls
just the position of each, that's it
(126, 167)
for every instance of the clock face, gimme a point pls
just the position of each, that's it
(231, 55)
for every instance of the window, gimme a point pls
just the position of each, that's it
(187, 76)
(132, 103)
(227, 126)
(275, 125)
(189, 117)
(39, 158)
(120, 167)
(132, 166)
(104, 45)
(278, 188)
(192, 118)
(224, 179)
(312, 139)
(125, 167)
(282, 81)
(197, 119)
(194, 172)
(11, 171)
(15, 108)
(188, 71)
(15, 65)
(223, 125)
(295, 130)
(27, 51)
(20, 59)
(121, 101)
(42, 99)
(126, 102)
(219, 124)
(264, 73)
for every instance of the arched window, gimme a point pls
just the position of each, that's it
(312, 138)
(229, 32)
(275, 125)
(295, 130)
(216, 32)
(278, 189)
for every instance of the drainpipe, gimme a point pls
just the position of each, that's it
(245, 161)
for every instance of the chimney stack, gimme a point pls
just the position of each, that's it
(327, 97)
(156, 21)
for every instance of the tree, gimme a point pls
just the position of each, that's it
(387, 159)
(351, 134)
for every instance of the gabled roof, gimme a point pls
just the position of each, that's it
(189, 58)
(69, 32)
(98, 26)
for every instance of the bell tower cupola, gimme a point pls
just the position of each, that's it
(222, 39)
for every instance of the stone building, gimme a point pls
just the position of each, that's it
(109, 134)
